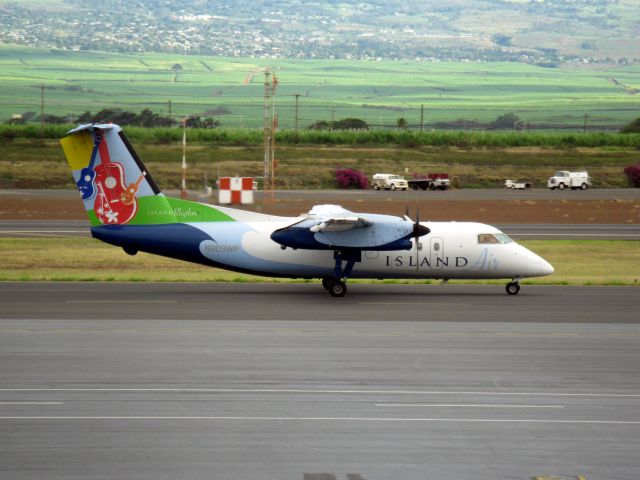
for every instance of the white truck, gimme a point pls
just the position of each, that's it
(432, 181)
(565, 179)
(389, 181)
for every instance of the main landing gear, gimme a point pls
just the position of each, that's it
(336, 285)
(513, 287)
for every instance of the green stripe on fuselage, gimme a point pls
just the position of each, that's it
(158, 209)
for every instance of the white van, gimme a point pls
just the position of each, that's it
(574, 180)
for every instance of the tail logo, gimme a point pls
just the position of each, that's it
(115, 203)
(86, 183)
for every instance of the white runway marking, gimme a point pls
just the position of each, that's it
(308, 391)
(121, 301)
(31, 403)
(459, 405)
(426, 302)
(331, 419)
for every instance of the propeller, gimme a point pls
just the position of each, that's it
(418, 231)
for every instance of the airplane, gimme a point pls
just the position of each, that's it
(127, 209)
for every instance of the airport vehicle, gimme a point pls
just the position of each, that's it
(432, 181)
(574, 180)
(510, 184)
(388, 181)
(127, 209)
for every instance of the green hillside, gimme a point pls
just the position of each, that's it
(379, 92)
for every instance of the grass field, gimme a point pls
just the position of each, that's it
(26, 164)
(73, 259)
(378, 92)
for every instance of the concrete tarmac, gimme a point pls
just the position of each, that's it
(280, 381)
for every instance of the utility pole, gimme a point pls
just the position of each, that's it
(183, 192)
(270, 125)
(422, 117)
(297, 95)
(586, 123)
(42, 115)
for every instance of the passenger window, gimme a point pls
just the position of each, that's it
(436, 247)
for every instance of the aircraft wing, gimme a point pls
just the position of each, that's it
(339, 224)
(331, 226)
(334, 218)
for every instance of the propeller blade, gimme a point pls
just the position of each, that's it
(418, 231)
(416, 235)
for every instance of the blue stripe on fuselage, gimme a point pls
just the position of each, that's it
(175, 240)
(184, 242)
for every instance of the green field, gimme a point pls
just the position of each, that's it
(378, 92)
(74, 259)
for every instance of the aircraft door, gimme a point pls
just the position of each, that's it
(437, 259)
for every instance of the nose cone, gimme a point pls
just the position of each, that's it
(545, 267)
(538, 266)
(532, 265)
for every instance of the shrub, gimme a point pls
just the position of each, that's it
(633, 127)
(347, 178)
(633, 174)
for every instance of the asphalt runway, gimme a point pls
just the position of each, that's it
(329, 196)
(281, 381)
(78, 228)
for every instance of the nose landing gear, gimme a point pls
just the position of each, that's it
(513, 287)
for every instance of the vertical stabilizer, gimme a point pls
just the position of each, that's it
(114, 185)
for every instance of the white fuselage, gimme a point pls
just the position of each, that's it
(451, 250)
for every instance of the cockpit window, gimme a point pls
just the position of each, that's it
(503, 238)
(493, 238)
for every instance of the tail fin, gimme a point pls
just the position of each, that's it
(116, 188)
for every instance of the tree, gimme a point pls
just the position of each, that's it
(402, 123)
(506, 121)
(633, 127)
(210, 122)
(502, 40)
(320, 125)
(350, 124)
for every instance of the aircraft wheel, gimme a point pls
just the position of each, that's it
(513, 288)
(327, 282)
(338, 289)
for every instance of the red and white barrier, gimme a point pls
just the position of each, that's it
(235, 190)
